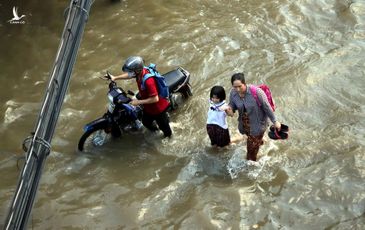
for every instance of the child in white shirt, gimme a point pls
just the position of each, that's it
(217, 127)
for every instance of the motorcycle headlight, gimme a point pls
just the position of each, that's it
(110, 98)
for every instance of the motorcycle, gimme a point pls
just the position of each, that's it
(122, 117)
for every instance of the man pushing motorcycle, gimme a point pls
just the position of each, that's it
(154, 105)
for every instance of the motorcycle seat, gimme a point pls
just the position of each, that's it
(174, 79)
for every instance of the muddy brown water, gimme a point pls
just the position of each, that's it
(311, 53)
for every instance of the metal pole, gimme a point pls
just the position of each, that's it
(38, 145)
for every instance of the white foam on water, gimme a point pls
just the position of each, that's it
(231, 43)
(77, 165)
(15, 110)
(146, 184)
(262, 170)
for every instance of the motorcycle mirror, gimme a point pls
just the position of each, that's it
(130, 93)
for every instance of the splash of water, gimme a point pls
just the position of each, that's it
(262, 170)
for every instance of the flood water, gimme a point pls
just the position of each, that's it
(310, 53)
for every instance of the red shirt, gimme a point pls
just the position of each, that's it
(151, 90)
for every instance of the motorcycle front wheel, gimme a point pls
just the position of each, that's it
(92, 138)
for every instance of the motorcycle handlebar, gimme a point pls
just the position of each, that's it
(112, 83)
(108, 76)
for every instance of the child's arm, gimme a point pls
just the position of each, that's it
(229, 111)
